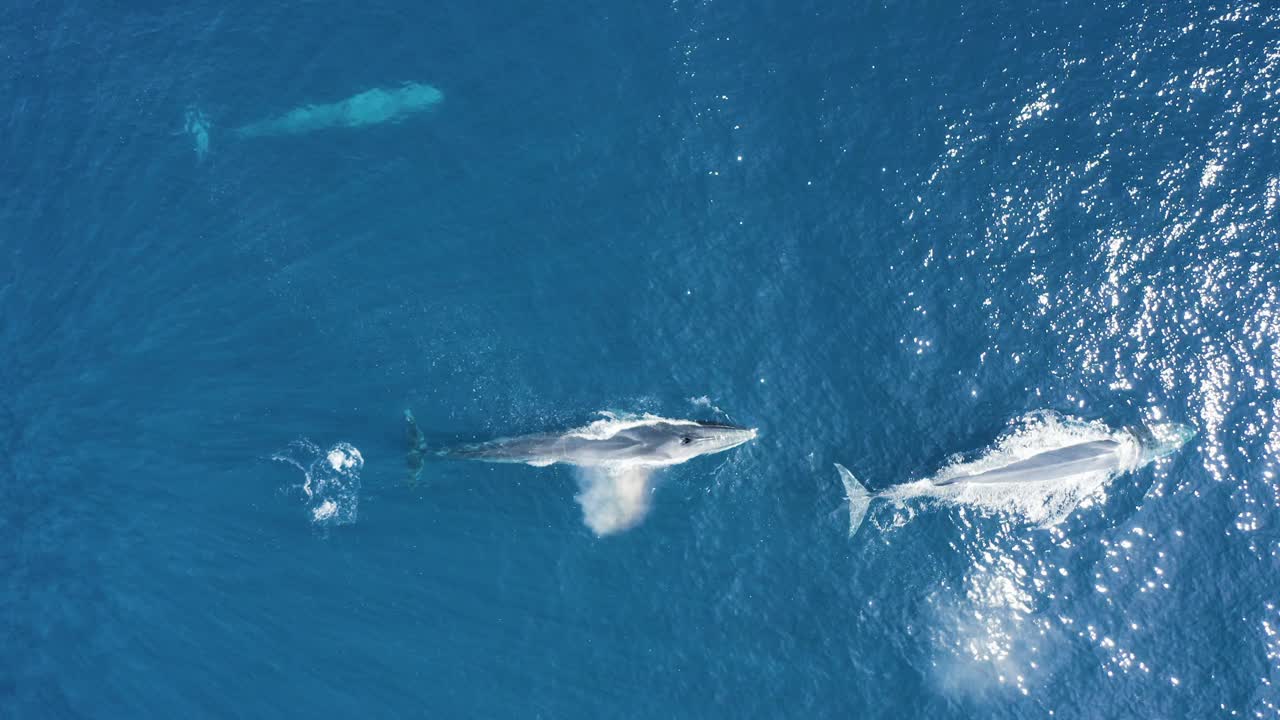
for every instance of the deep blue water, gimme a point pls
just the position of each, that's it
(879, 232)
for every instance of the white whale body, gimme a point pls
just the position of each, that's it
(1041, 472)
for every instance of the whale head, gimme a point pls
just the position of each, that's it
(1164, 439)
(687, 440)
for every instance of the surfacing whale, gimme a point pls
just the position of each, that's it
(616, 457)
(1042, 473)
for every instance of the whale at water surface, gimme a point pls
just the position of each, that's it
(1046, 473)
(615, 457)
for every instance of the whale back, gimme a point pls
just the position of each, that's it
(1093, 456)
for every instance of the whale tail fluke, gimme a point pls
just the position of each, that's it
(859, 498)
(417, 443)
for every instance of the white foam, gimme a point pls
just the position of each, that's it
(704, 401)
(330, 480)
(326, 510)
(344, 457)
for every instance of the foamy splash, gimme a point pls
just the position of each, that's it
(331, 480)
(704, 401)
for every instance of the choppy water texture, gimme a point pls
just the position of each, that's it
(880, 233)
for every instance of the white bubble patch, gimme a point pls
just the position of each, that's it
(331, 480)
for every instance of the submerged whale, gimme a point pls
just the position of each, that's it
(1046, 475)
(616, 457)
(197, 126)
(371, 107)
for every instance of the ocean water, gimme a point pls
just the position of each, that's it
(881, 233)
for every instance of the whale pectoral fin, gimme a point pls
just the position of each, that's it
(614, 499)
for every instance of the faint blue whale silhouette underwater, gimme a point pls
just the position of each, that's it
(371, 107)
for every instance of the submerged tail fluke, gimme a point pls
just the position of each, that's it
(859, 498)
